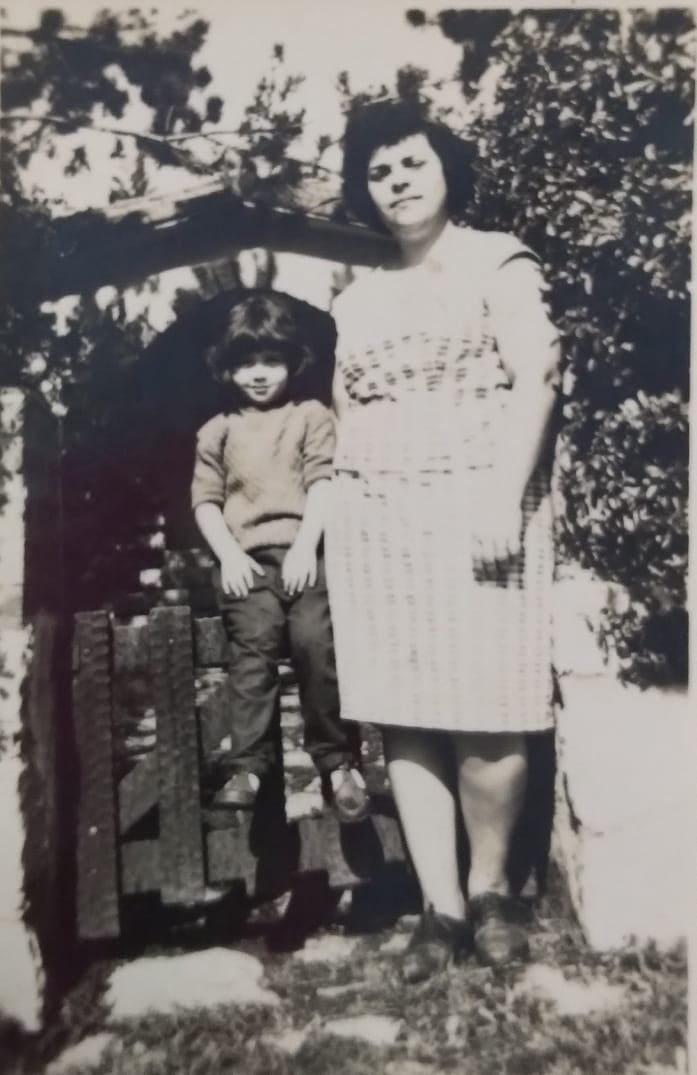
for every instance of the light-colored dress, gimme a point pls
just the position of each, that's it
(421, 641)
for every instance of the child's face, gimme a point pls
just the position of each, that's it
(262, 377)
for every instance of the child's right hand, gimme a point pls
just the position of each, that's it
(237, 570)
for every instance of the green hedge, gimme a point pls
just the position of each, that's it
(587, 157)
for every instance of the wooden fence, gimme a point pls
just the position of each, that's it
(150, 710)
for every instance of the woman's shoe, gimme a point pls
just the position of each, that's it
(437, 941)
(239, 792)
(497, 934)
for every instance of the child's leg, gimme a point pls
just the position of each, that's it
(255, 628)
(329, 741)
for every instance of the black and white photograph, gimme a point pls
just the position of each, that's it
(344, 488)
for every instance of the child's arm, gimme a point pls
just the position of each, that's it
(208, 496)
(300, 563)
(237, 568)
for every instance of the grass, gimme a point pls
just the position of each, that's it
(469, 1020)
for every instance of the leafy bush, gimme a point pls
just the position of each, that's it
(626, 485)
(586, 153)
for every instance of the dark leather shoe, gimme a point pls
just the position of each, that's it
(437, 941)
(239, 792)
(345, 791)
(497, 934)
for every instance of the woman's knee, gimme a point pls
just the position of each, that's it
(491, 747)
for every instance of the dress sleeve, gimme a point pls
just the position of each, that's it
(208, 482)
(525, 335)
(319, 445)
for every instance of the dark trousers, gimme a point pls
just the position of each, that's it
(262, 628)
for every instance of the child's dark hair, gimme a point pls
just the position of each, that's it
(258, 323)
(385, 123)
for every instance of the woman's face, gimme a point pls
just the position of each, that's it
(408, 187)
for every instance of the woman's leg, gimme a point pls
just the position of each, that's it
(492, 772)
(492, 776)
(427, 812)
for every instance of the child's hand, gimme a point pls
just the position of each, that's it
(237, 570)
(299, 568)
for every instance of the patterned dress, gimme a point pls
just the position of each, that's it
(421, 639)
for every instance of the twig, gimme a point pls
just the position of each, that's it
(151, 139)
(65, 121)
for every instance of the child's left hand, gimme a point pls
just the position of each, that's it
(299, 568)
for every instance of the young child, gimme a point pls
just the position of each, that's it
(259, 492)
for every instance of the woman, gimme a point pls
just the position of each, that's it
(439, 549)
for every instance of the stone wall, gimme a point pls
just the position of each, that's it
(624, 799)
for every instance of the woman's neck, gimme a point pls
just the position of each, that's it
(415, 248)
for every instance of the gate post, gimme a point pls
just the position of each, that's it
(34, 905)
(97, 853)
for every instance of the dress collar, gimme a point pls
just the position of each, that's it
(438, 256)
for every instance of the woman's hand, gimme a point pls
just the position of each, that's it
(237, 571)
(299, 567)
(497, 535)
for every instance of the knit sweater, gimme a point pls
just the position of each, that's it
(257, 465)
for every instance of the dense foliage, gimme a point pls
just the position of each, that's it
(586, 155)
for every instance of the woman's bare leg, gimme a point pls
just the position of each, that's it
(427, 810)
(492, 776)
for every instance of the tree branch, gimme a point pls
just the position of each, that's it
(167, 140)
(65, 121)
(138, 136)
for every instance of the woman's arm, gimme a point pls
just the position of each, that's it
(340, 399)
(528, 346)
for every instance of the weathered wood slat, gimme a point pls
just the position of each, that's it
(131, 694)
(181, 837)
(97, 856)
(140, 867)
(230, 857)
(138, 792)
(349, 854)
(210, 640)
(130, 646)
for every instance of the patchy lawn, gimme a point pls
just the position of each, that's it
(341, 1009)
(335, 1004)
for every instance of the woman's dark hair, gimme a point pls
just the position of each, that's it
(258, 323)
(385, 123)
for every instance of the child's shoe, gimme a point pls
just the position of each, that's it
(345, 791)
(239, 792)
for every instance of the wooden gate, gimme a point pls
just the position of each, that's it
(150, 711)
